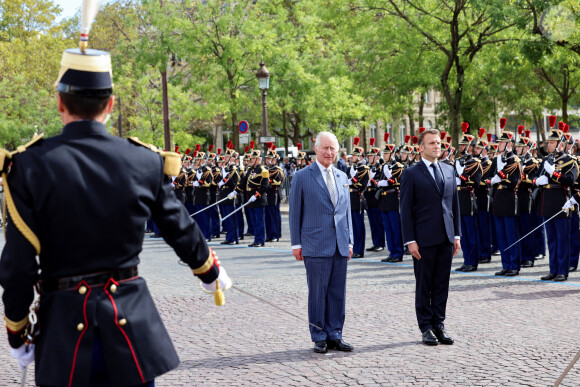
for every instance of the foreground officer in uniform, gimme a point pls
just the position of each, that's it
(98, 322)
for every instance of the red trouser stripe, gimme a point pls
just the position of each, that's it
(72, 371)
(121, 329)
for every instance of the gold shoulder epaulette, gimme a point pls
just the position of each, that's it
(265, 173)
(172, 160)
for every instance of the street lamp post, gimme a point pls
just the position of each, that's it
(263, 76)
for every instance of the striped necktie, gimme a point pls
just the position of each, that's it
(330, 187)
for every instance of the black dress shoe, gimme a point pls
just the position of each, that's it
(573, 268)
(396, 259)
(484, 260)
(339, 345)
(388, 259)
(241, 238)
(216, 236)
(539, 256)
(356, 255)
(502, 272)
(470, 268)
(460, 268)
(372, 248)
(256, 245)
(248, 234)
(406, 251)
(548, 277)
(443, 337)
(320, 347)
(272, 240)
(528, 264)
(512, 273)
(148, 231)
(429, 337)
(560, 278)
(379, 248)
(155, 236)
(228, 243)
(496, 252)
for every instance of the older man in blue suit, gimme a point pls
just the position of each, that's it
(430, 221)
(321, 235)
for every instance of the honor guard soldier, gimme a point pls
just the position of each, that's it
(524, 191)
(405, 151)
(373, 212)
(574, 220)
(181, 179)
(468, 176)
(276, 178)
(559, 173)
(301, 158)
(242, 188)
(445, 147)
(227, 187)
(358, 179)
(539, 236)
(191, 173)
(214, 216)
(415, 154)
(202, 182)
(482, 199)
(257, 184)
(388, 193)
(492, 148)
(99, 323)
(507, 176)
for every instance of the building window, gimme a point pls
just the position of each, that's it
(427, 97)
(428, 125)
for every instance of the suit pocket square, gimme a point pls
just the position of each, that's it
(345, 185)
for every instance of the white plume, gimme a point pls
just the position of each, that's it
(88, 14)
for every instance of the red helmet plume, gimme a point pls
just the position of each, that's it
(229, 144)
(502, 122)
(464, 127)
(299, 145)
(443, 135)
(387, 135)
(415, 140)
(187, 151)
(552, 121)
(527, 133)
(565, 128)
(194, 153)
(356, 141)
(176, 149)
(197, 147)
(252, 144)
(489, 137)
(247, 148)
(219, 151)
(520, 129)
(210, 147)
(421, 129)
(372, 141)
(449, 139)
(481, 132)
(407, 138)
(561, 125)
(269, 145)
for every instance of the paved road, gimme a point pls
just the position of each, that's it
(509, 331)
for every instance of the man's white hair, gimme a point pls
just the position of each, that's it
(327, 134)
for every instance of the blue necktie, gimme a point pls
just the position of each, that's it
(438, 178)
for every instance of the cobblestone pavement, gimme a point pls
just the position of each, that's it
(509, 331)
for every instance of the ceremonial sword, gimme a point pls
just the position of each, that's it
(215, 204)
(236, 210)
(525, 236)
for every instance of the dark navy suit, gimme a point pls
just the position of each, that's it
(431, 218)
(324, 232)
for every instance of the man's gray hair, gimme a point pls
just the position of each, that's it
(328, 134)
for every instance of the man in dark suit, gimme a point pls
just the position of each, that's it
(321, 235)
(341, 163)
(431, 230)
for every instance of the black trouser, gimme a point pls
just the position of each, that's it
(432, 273)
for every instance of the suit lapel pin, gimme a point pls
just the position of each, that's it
(345, 185)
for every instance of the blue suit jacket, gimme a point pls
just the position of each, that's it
(314, 222)
(428, 216)
(341, 165)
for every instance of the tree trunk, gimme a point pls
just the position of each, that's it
(235, 132)
(285, 131)
(421, 106)
(411, 116)
(166, 130)
(539, 122)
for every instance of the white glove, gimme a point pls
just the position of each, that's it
(349, 181)
(383, 183)
(196, 183)
(569, 204)
(252, 199)
(352, 170)
(225, 282)
(232, 195)
(500, 163)
(372, 175)
(496, 179)
(387, 172)
(199, 173)
(24, 354)
(459, 168)
(458, 181)
(542, 180)
(549, 167)
(221, 184)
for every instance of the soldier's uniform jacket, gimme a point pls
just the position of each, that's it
(389, 195)
(575, 190)
(504, 196)
(216, 173)
(359, 176)
(276, 178)
(470, 178)
(179, 185)
(86, 195)
(189, 185)
(482, 189)
(257, 181)
(371, 191)
(531, 168)
(553, 195)
(201, 194)
(231, 179)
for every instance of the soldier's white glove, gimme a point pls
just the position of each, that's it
(569, 204)
(24, 354)
(221, 184)
(458, 181)
(372, 175)
(549, 167)
(383, 183)
(387, 172)
(459, 168)
(352, 170)
(232, 195)
(500, 163)
(225, 282)
(542, 180)
(196, 183)
(349, 181)
(199, 173)
(252, 199)
(496, 179)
